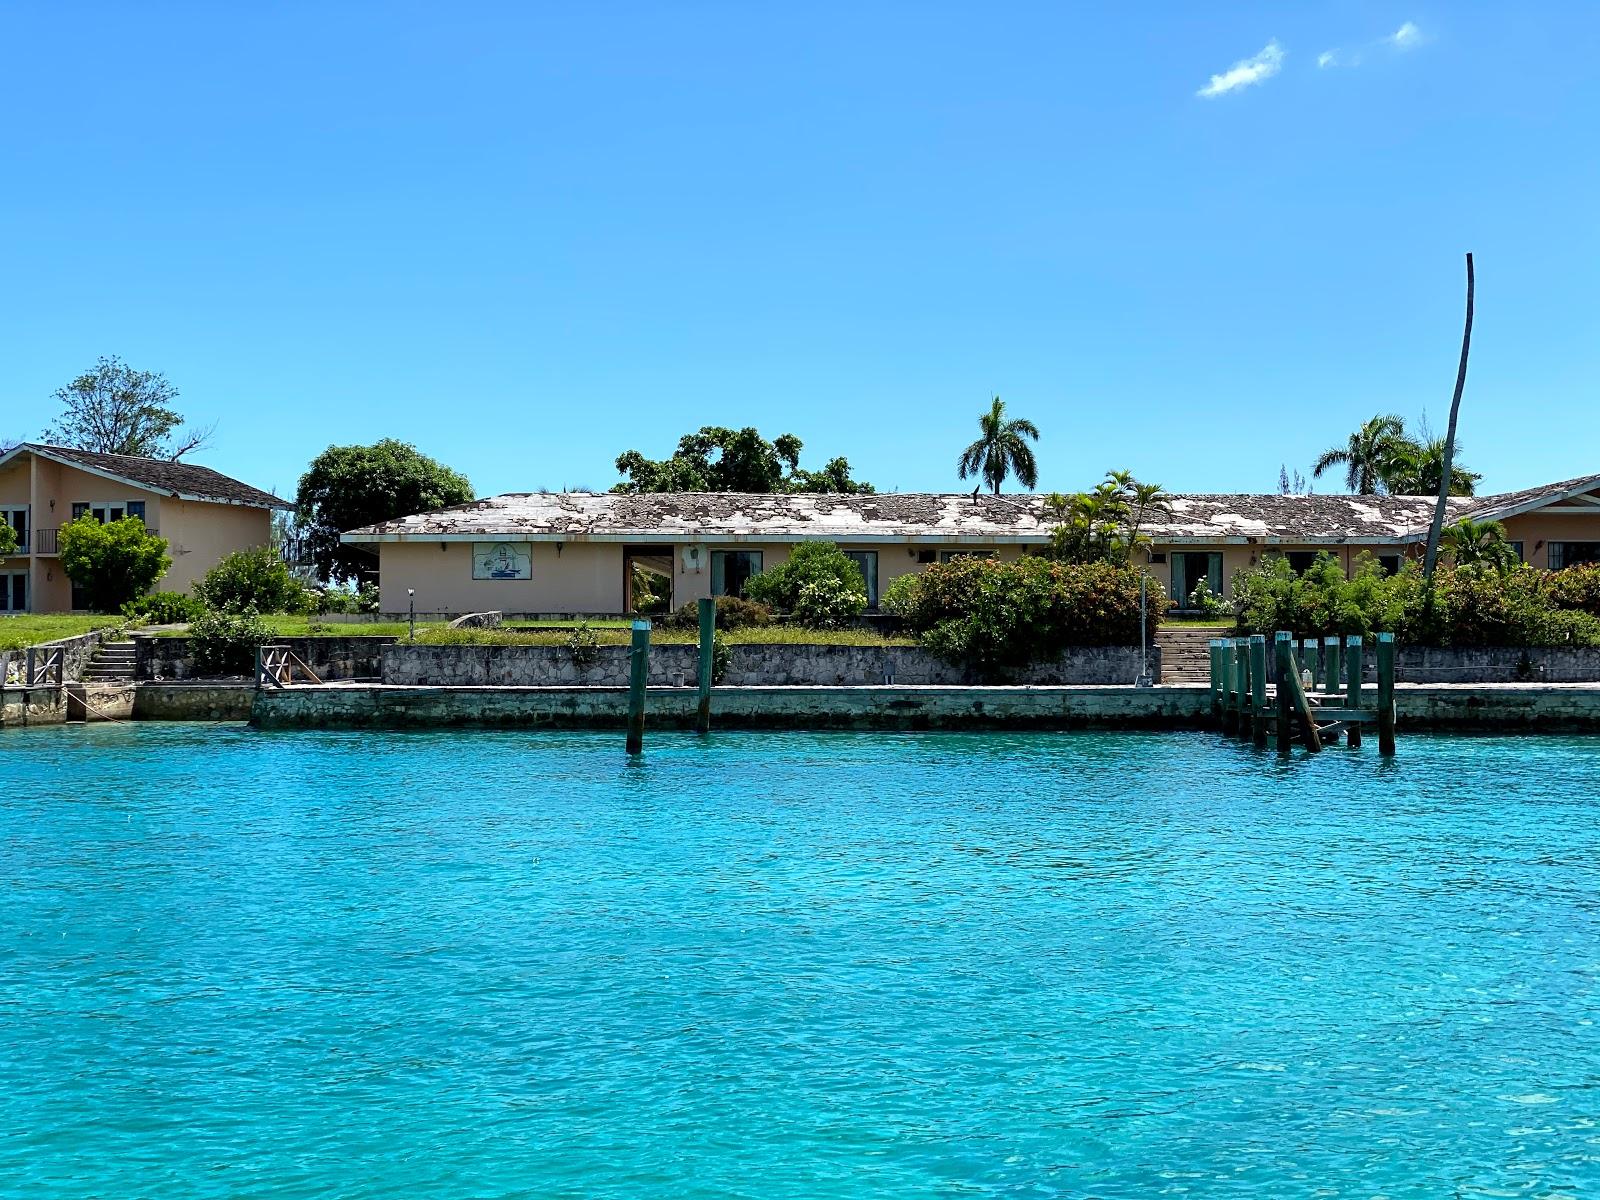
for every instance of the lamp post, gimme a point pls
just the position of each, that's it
(411, 602)
(1144, 678)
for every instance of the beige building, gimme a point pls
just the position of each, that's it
(550, 553)
(202, 514)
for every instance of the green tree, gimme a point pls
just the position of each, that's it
(1001, 449)
(1106, 524)
(1369, 454)
(348, 487)
(8, 539)
(1417, 466)
(1478, 544)
(715, 459)
(113, 409)
(113, 563)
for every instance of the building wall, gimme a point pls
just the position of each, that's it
(200, 534)
(1536, 530)
(584, 577)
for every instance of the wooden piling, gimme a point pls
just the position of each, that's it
(1309, 661)
(1229, 716)
(1330, 666)
(1258, 690)
(638, 676)
(1243, 678)
(1302, 707)
(1353, 666)
(1386, 693)
(1215, 646)
(708, 642)
(1283, 647)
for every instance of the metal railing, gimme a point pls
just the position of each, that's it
(45, 542)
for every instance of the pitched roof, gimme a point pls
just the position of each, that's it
(923, 517)
(183, 481)
(1510, 504)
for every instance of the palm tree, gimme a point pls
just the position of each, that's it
(1478, 544)
(1418, 466)
(1001, 450)
(1367, 456)
(1147, 500)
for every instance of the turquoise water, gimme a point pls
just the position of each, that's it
(488, 964)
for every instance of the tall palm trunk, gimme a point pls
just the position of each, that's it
(1447, 473)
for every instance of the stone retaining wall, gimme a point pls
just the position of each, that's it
(675, 665)
(78, 653)
(172, 658)
(193, 701)
(1494, 664)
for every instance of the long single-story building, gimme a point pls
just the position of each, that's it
(577, 552)
(203, 514)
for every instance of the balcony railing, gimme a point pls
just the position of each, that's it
(44, 541)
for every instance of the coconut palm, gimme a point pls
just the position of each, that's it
(1001, 450)
(1478, 544)
(1418, 466)
(1370, 452)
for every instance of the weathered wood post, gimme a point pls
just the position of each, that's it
(1302, 707)
(1386, 693)
(1352, 665)
(1308, 659)
(1215, 646)
(1225, 675)
(638, 676)
(1330, 665)
(708, 641)
(1284, 650)
(1241, 648)
(30, 674)
(1258, 690)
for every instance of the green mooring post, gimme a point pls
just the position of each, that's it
(708, 645)
(1242, 676)
(1330, 666)
(1258, 690)
(1216, 680)
(638, 676)
(1308, 660)
(1352, 676)
(1283, 645)
(1386, 693)
(1225, 674)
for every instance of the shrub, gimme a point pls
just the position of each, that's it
(583, 644)
(368, 599)
(253, 579)
(998, 617)
(225, 643)
(839, 592)
(828, 604)
(1206, 602)
(1468, 605)
(164, 608)
(1577, 588)
(324, 600)
(8, 539)
(113, 563)
(733, 612)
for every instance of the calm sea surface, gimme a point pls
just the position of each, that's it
(491, 964)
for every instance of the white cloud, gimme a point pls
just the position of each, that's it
(1404, 38)
(1328, 58)
(1246, 72)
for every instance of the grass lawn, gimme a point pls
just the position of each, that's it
(29, 629)
(612, 634)
(1199, 622)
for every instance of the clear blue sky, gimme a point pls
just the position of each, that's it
(528, 237)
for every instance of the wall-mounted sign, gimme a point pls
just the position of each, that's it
(502, 560)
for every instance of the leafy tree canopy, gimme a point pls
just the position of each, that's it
(113, 563)
(1105, 525)
(113, 409)
(715, 459)
(347, 487)
(8, 539)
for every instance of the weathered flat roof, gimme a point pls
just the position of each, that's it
(929, 518)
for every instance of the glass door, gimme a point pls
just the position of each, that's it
(14, 591)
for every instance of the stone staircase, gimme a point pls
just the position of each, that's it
(1185, 652)
(113, 662)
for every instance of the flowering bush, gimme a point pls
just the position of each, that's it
(817, 578)
(827, 604)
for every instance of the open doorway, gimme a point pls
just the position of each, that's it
(647, 579)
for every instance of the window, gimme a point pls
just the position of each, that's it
(1389, 564)
(78, 510)
(106, 511)
(925, 557)
(1517, 546)
(731, 569)
(1300, 561)
(14, 591)
(17, 518)
(867, 560)
(1573, 554)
